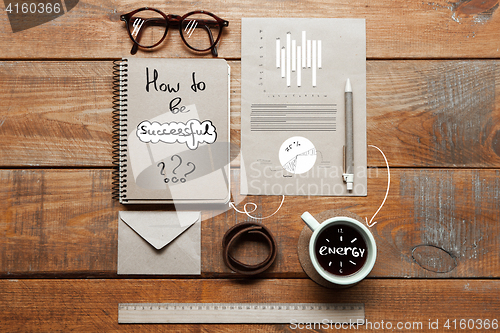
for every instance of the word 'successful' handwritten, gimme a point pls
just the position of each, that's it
(192, 133)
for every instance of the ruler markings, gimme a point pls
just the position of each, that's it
(243, 313)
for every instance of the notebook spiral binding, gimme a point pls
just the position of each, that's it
(119, 143)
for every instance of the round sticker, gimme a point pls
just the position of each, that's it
(297, 155)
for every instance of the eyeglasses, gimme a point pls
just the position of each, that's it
(148, 27)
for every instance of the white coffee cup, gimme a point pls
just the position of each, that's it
(346, 256)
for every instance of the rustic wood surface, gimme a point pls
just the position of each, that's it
(394, 29)
(91, 305)
(433, 107)
(421, 113)
(427, 228)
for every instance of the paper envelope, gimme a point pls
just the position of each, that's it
(151, 242)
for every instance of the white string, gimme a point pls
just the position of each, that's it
(370, 224)
(245, 211)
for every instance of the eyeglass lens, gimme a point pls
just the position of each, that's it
(147, 27)
(200, 31)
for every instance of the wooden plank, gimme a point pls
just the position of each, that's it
(58, 221)
(435, 223)
(434, 113)
(56, 113)
(394, 29)
(420, 113)
(92, 305)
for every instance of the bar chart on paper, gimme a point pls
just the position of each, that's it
(293, 57)
(290, 62)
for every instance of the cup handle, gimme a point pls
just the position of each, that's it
(310, 221)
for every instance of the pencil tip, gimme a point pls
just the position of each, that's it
(348, 86)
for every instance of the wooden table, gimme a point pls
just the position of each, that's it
(433, 107)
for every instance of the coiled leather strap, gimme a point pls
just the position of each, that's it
(236, 234)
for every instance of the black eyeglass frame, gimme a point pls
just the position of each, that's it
(172, 20)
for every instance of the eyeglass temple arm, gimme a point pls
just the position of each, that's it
(155, 21)
(214, 49)
(207, 23)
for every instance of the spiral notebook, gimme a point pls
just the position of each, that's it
(171, 130)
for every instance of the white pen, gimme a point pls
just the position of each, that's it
(349, 138)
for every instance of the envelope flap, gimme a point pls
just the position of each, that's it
(159, 228)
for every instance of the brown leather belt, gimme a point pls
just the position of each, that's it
(239, 232)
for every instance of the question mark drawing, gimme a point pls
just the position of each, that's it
(175, 179)
(183, 180)
(180, 162)
(162, 172)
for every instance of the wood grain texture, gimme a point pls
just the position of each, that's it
(57, 221)
(420, 113)
(438, 122)
(92, 305)
(55, 113)
(394, 29)
(435, 223)
(446, 113)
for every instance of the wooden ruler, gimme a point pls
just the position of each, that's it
(241, 313)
